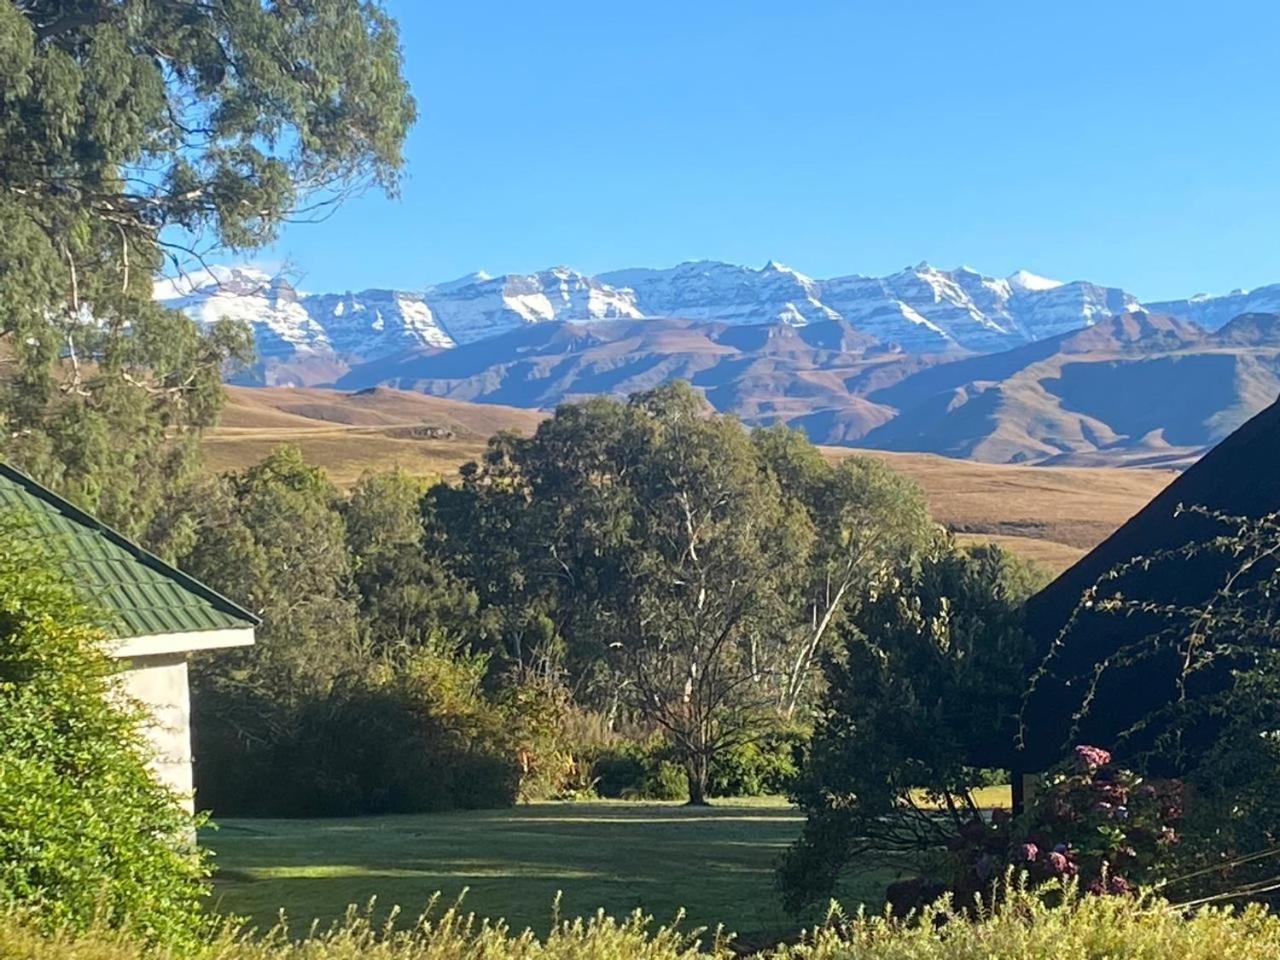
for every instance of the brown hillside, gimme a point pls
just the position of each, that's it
(351, 433)
(1049, 514)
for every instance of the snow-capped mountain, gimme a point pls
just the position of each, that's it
(1213, 313)
(291, 325)
(709, 290)
(919, 309)
(313, 337)
(479, 306)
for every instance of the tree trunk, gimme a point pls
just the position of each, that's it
(699, 770)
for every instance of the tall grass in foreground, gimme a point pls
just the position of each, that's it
(1022, 928)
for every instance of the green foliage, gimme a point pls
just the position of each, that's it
(131, 131)
(271, 539)
(765, 766)
(412, 732)
(1020, 928)
(930, 670)
(356, 687)
(87, 835)
(865, 517)
(636, 770)
(676, 571)
(405, 594)
(126, 119)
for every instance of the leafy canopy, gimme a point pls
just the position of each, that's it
(927, 673)
(132, 130)
(675, 569)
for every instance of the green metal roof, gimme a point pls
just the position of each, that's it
(146, 595)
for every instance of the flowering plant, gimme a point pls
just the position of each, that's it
(1090, 819)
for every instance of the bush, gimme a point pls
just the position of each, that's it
(87, 835)
(927, 676)
(414, 733)
(1090, 820)
(761, 767)
(637, 770)
(646, 769)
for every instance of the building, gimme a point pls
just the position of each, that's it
(1238, 477)
(157, 614)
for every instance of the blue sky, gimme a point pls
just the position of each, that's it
(1130, 142)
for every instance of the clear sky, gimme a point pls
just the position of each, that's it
(1129, 142)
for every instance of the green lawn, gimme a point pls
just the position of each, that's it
(717, 863)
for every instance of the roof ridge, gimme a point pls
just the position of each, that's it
(144, 556)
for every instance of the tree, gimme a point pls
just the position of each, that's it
(864, 515)
(483, 533)
(87, 835)
(406, 595)
(270, 538)
(715, 550)
(137, 130)
(928, 670)
(649, 555)
(677, 569)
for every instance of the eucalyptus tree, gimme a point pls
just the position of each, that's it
(135, 133)
(866, 517)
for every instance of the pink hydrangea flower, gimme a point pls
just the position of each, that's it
(1092, 757)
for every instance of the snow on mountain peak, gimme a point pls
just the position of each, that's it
(469, 280)
(921, 309)
(1029, 282)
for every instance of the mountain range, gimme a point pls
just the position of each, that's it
(1013, 369)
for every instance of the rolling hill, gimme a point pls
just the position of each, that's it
(351, 433)
(1135, 389)
(1049, 514)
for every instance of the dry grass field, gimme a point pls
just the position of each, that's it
(1048, 514)
(351, 433)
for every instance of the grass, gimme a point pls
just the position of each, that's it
(717, 863)
(1022, 927)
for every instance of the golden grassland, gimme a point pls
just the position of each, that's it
(1051, 515)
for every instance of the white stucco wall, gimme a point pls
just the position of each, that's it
(160, 682)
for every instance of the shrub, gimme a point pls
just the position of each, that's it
(413, 733)
(87, 835)
(926, 678)
(546, 728)
(1024, 927)
(640, 770)
(1090, 819)
(1021, 928)
(760, 767)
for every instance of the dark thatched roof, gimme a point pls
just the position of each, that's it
(1240, 477)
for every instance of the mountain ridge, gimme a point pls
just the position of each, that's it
(304, 337)
(1022, 369)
